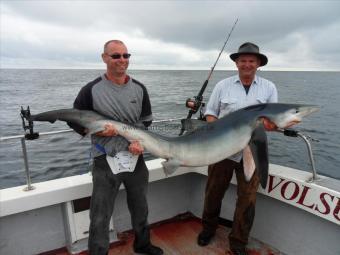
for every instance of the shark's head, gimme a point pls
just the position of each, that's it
(287, 115)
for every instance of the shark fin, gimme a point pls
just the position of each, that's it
(94, 128)
(191, 125)
(170, 166)
(259, 147)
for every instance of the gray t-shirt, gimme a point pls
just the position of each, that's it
(128, 103)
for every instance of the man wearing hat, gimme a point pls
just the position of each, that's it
(231, 94)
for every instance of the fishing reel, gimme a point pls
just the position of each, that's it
(27, 124)
(196, 104)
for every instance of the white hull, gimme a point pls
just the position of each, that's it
(303, 218)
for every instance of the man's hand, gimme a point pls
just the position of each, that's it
(110, 130)
(268, 125)
(136, 148)
(210, 118)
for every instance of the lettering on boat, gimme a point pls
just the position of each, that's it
(315, 199)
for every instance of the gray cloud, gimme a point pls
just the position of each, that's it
(279, 27)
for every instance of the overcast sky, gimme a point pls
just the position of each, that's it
(295, 35)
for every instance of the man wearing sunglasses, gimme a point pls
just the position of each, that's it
(119, 97)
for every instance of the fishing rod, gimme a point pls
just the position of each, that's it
(196, 103)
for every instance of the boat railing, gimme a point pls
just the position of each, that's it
(28, 136)
(306, 139)
(24, 137)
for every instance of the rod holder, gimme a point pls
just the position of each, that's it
(27, 124)
(27, 171)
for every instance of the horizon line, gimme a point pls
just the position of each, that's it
(139, 69)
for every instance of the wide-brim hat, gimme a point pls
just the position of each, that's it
(250, 48)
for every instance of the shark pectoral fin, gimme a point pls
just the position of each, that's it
(170, 166)
(93, 128)
(248, 163)
(259, 147)
(96, 130)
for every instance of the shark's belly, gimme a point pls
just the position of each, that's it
(212, 149)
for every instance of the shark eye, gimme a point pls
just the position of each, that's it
(297, 111)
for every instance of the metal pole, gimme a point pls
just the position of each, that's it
(310, 153)
(295, 133)
(28, 177)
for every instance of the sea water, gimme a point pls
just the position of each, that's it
(68, 154)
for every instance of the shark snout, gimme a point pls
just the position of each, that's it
(300, 112)
(306, 110)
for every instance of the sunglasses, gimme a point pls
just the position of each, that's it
(118, 56)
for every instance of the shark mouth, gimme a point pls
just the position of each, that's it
(292, 123)
(268, 124)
